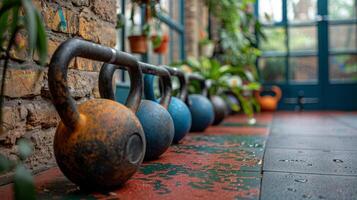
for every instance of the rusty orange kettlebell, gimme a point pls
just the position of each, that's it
(269, 102)
(100, 143)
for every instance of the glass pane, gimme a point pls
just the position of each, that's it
(272, 69)
(302, 38)
(275, 40)
(343, 68)
(270, 11)
(343, 37)
(342, 9)
(301, 10)
(303, 69)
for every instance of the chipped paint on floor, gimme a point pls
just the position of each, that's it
(225, 162)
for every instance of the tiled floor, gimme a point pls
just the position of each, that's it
(310, 155)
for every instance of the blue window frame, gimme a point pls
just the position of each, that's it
(311, 51)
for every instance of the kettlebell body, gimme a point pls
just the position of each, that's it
(158, 128)
(181, 116)
(231, 100)
(268, 102)
(220, 109)
(201, 111)
(155, 119)
(177, 108)
(100, 144)
(105, 148)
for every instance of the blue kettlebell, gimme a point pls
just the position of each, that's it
(178, 110)
(154, 117)
(200, 106)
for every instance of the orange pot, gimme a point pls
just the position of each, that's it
(268, 102)
(138, 44)
(162, 49)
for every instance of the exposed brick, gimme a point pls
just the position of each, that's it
(41, 115)
(107, 35)
(20, 50)
(95, 30)
(88, 26)
(106, 9)
(52, 44)
(80, 2)
(42, 156)
(23, 82)
(52, 18)
(14, 123)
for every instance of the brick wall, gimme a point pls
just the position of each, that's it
(28, 111)
(196, 19)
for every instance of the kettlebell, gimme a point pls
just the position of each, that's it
(154, 117)
(100, 143)
(220, 109)
(200, 106)
(268, 102)
(178, 110)
(231, 100)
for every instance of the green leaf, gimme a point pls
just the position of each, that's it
(31, 25)
(5, 164)
(41, 44)
(3, 26)
(25, 148)
(24, 187)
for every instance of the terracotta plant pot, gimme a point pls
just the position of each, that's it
(138, 44)
(207, 49)
(162, 48)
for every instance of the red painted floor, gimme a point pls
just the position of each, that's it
(224, 162)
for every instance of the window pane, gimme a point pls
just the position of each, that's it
(301, 10)
(342, 9)
(272, 69)
(303, 69)
(343, 37)
(343, 68)
(302, 38)
(270, 11)
(275, 40)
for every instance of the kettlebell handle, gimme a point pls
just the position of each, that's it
(182, 79)
(274, 89)
(57, 75)
(164, 77)
(203, 84)
(106, 77)
(277, 92)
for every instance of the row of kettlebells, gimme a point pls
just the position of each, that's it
(101, 143)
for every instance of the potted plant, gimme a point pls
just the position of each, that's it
(206, 47)
(160, 41)
(138, 42)
(138, 37)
